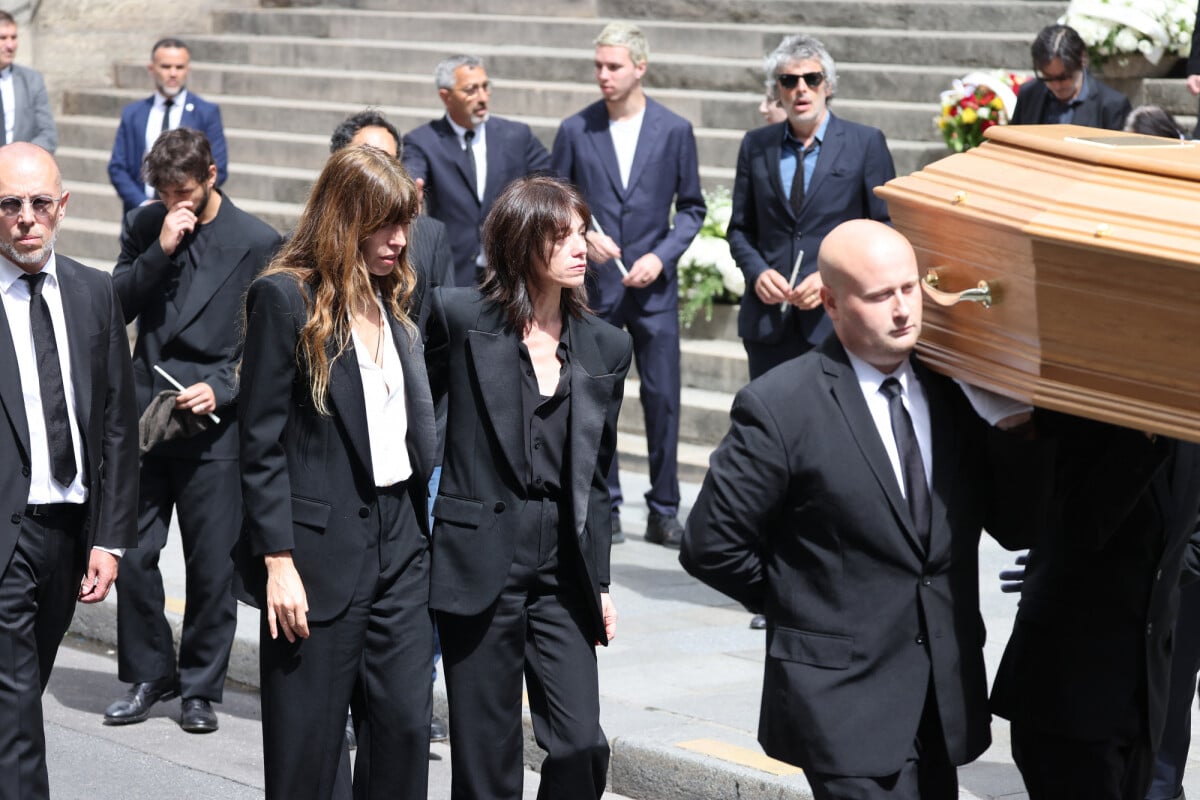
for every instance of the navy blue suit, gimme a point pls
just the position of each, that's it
(665, 171)
(125, 165)
(765, 233)
(432, 153)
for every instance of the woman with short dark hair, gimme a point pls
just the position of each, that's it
(522, 522)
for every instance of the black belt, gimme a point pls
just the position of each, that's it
(53, 510)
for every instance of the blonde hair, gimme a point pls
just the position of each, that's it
(627, 35)
(361, 190)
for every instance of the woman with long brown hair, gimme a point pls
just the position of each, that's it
(523, 527)
(337, 443)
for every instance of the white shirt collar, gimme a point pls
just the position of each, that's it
(10, 273)
(872, 379)
(178, 100)
(461, 132)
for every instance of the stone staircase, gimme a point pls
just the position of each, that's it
(285, 76)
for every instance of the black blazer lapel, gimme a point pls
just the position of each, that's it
(770, 154)
(591, 389)
(346, 394)
(498, 372)
(455, 154)
(601, 141)
(649, 144)
(830, 152)
(10, 391)
(222, 262)
(848, 395)
(77, 308)
(422, 440)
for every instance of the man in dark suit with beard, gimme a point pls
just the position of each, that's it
(68, 454)
(184, 269)
(845, 504)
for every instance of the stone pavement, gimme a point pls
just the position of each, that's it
(680, 683)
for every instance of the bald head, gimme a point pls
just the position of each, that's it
(29, 174)
(871, 291)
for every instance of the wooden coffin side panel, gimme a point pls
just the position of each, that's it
(1096, 277)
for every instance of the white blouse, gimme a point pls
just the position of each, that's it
(387, 415)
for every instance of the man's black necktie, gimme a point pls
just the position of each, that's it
(916, 489)
(50, 382)
(796, 196)
(167, 105)
(472, 176)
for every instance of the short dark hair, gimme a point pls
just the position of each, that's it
(171, 42)
(177, 155)
(367, 118)
(1153, 121)
(529, 216)
(7, 18)
(1062, 42)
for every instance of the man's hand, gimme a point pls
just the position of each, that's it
(610, 615)
(771, 287)
(1193, 84)
(197, 398)
(179, 222)
(420, 182)
(807, 294)
(601, 248)
(644, 271)
(287, 604)
(101, 572)
(1011, 580)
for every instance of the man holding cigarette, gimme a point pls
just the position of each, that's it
(797, 180)
(185, 265)
(632, 158)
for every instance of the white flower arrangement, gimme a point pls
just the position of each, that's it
(707, 271)
(1118, 29)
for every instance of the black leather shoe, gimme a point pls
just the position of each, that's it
(135, 705)
(618, 535)
(438, 732)
(758, 622)
(197, 716)
(664, 529)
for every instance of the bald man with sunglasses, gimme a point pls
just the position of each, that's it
(796, 181)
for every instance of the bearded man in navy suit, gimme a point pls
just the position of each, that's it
(633, 160)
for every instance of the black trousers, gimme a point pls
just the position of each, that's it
(375, 659)
(207, 495)
(1172, 754)
(38, 590)
(928, 774)
(1061, 768)
(534, 629)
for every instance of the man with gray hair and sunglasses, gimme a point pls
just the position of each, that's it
(797, 180)
(463, 160)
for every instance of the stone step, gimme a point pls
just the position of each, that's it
(710, 365)
(692, 458)
(703, 414)
(89, 240)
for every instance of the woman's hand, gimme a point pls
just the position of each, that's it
(610, 616)
(287, 605)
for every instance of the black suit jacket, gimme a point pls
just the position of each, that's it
(307, 480)
(801, 517)
(473, 359)
(432, 152)
(198, 338)
(764, 233)
(1090, 653)
(1104, 107)
(103, 386)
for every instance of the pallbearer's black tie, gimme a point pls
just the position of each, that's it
(167, 105)
(50, 381)
(916, 489)
(472, 172)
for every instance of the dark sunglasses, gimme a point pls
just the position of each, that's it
(790, 81)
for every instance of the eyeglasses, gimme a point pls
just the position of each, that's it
(475, 88)
(790, 81)
(1060, 78)
(42, 205)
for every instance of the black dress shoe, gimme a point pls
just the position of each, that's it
(758, 622)
(438, 732)
(664, 529)
(135, 705)
(197, 716)
(618, 535)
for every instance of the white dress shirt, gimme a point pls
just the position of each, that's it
(625, 134)
(15, 293)
(387, 413)
(155, 121)
(870, 380)
(478, 149)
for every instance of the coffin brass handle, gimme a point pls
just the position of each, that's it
(982, 293)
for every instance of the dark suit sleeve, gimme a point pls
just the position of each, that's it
(45, 132)
(437, 347)
(214, 129)
(878, 169)
(268, 371)
(536, 157)
(124, 175)
(742, 231)
(562, 154)
(744, 489)
(1028, 108)
(142, 266)
(1115, 111)
(689, 201)
(415, 160)
(117, 526)
(599, 496)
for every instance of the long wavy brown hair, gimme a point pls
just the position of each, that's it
(360, 190)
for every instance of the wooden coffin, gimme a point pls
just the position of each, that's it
(1089, 243)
